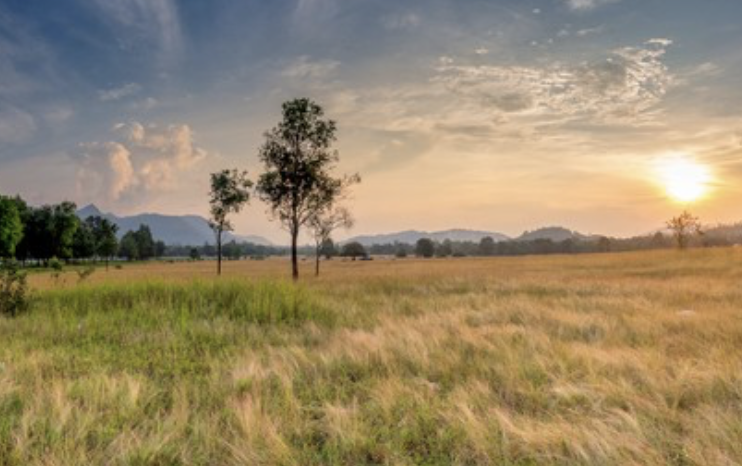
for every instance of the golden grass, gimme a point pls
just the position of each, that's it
(605, 359)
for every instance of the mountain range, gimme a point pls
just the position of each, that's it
(172, 229)
(555, 234)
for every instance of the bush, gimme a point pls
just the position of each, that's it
(14, 295)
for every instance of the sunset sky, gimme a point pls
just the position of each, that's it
(605, 116)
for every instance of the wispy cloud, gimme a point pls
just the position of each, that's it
(155, 21)
(305, 68)
(585, 5)
(118, 93)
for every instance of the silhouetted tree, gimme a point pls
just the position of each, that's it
(83, 243)
(230, 191)
(104, 233)
(322, 224)
(145, 242)
(425, 247)
(298, 161)
(683, 227)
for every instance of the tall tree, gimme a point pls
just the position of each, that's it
(322, 224)
(298, 161)
(683, 227)
(230, 192)
(11, 227)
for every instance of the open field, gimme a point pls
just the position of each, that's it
(610, 359)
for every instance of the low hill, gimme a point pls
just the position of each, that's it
(411, 236)
(172, 229)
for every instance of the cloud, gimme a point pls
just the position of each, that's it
(624, 87)
(155, 21)
(16, 126)
(401, 21)
(585, 5)
(140, 161)
(305, 68)
(119, 93)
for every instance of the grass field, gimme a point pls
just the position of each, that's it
(612, 359)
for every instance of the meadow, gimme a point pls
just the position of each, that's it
(612, 359)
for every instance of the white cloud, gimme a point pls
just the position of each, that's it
(140, 161)
(118, 93)
(624, 87)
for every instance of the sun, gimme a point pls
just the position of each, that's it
(684, 179)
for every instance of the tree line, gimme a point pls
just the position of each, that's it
(41, 234)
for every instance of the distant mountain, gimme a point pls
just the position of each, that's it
(555, 234)
(174, 230)
(411, 236)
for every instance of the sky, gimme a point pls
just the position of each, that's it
(501, 115)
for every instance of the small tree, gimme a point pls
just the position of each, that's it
(487, 246)
(353, 250)
(230, 191)
(322, 225)
(298, 159)
(11, 227)
(444, 249)
(425, 247)
(683, 227)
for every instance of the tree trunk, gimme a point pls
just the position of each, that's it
(219, 254)
(316, 261)
(294, 254)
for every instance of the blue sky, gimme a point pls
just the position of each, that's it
(493, 114)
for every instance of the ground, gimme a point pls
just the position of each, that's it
(607, 359)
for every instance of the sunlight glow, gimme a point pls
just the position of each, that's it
(684, 179)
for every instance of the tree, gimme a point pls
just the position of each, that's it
(106, 243)
(129, 247)
(444, 249)
(487, 246)
(322, 224)
(328, 249)
(64, 224)
(298, 162)
(145, 242)
(11, 227)
(354, 250)
(425, 247)
(195, 254)
(230, 191)
(683, 227)
(83, 243)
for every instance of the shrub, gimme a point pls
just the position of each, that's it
(14, 295)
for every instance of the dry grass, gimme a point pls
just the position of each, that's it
(609, 359)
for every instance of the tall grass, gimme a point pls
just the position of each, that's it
(610, 360)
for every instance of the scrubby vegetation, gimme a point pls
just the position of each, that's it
(596, 359)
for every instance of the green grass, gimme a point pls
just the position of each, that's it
(569, 360)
